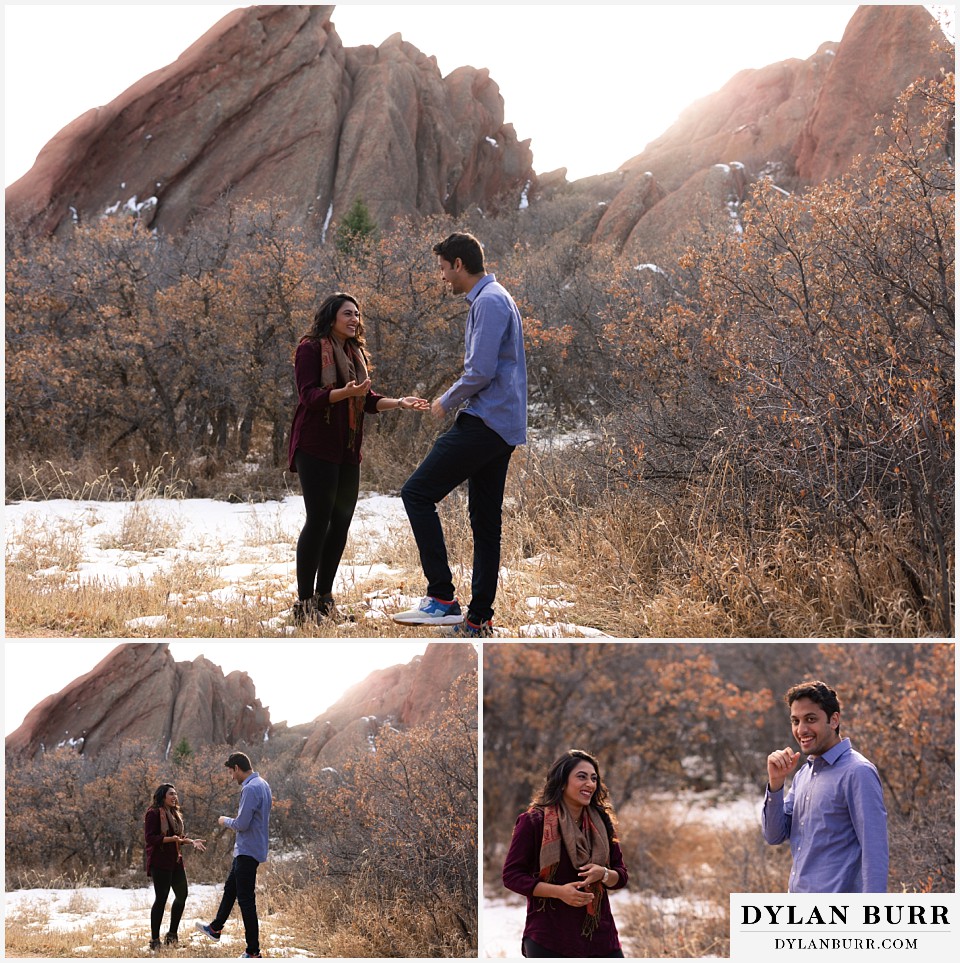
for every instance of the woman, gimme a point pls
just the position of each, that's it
(331, 368)
(563, 857)
(163, 834)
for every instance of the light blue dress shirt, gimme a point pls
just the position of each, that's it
(834, 817)
(252, 822)
(493, 386)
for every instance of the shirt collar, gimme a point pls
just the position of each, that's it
(834, 753)
(479, 286)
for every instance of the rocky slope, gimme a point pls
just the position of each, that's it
(400, 696)
(799, 122)
(269, 103)
(138, 692)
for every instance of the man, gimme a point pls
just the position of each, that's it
(833, 812)
(491, 395)
(252, 826)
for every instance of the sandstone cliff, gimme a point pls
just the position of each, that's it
(401, 696)
(268, 103)
(800, 122)
(138, 692)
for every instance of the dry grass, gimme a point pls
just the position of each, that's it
(578, 551)
(301, 914)
(686, 870)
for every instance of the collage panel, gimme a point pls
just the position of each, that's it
(631, 789)
(230, 798)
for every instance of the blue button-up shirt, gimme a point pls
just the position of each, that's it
(252, 822)
(834, 817)
(493, 386)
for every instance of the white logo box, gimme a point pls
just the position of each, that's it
(843, 926)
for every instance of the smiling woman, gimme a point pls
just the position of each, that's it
(564, 857)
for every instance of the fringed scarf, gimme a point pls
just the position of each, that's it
(339, 365)
(584, 843)
(171, 824)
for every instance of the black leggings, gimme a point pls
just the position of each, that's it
(529, 948)
(330, 493)
(163, 881)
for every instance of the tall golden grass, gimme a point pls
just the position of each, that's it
(578, 550)
(299, 916)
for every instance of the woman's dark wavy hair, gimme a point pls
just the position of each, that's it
(326, 314)
(160, 793)
(557, 775)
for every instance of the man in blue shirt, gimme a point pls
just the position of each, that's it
(491, 396)
(833, 812)
(252, 826)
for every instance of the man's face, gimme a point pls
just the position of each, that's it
(454, 275)
(814, 731)
(237, 774)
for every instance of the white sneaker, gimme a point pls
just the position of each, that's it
(431, 611)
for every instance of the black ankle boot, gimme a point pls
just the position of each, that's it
(324, 606)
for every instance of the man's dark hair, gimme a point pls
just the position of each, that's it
(240, 759)
(463, 246)
(817, 692)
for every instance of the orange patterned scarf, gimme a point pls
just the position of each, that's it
(340, 365)
(584, 843)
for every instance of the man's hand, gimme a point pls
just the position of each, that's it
(222, 820)
(780, 763)
(436, 409)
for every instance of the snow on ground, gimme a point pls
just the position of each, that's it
(248, 548)
(123, 915)
(706, 808)
(502, 920)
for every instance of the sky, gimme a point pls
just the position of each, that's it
(296, 681)
(588, 85)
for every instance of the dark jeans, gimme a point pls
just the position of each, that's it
(329, 496)
(473, 453)
(241, 887)
(535, 949)
(163, 881)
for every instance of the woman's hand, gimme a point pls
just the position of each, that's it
(198, 844)
(592, 873)
(573, 895)
(353, 390)
(417, 404)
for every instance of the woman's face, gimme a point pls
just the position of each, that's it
(581, 784)
(170, 799)
(346, 321)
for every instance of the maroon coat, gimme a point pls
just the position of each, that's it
(311, 431)
(557, 926)
(159, 855)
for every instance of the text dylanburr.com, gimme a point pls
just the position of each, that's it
(850, 926)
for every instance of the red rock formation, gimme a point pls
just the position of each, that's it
(401, 696)
(884, 50)
(269, 103)
(799, 122)
(138, 692)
